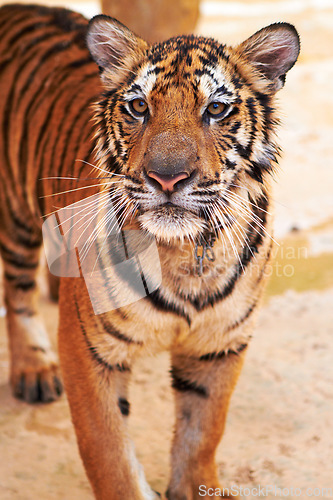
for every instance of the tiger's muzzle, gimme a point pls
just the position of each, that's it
(169, 163)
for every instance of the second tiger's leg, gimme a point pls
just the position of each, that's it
(203, 388)
(34, 371)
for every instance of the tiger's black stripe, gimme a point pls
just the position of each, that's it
(111, 330)
(26, 311)
(124, 406)
(15, 259)
(93, 350)
(25, 286)
(11, 20)
(161, 304)
(181, 384)
(20, 226)
(212, 356)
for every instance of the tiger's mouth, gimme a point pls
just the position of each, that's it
(169, 221)
(168, 215)
(173, 209)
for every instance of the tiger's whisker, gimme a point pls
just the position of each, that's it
(70, 191)
(109, 217)
(229, 236)
(249, 214)
(250, 202)
(94, 234)
(236, 225)
(254, 219)
(101, 169)
(92, 210)
(74, 178)
(77, 205)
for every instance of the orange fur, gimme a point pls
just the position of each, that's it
(193, 169)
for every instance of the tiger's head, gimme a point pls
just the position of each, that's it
(188, 123)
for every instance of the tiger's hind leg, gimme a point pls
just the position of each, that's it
(34, 373)
(203, 388)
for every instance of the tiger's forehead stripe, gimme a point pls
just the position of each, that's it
(208, 50)
(199, 67)
(213, 84)
(143, 84)
(134, 89)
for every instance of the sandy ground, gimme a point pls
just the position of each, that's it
(279, 429)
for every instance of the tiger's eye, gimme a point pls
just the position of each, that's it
(216, 108)
(139, 106)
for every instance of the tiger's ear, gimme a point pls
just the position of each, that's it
(113, 47)
(272, 51)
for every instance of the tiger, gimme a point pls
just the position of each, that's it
(181, 136)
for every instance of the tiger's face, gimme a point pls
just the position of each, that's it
(188, 122)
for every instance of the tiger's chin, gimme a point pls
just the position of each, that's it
(172, 224)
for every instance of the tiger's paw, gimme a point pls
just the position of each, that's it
(40, 384)
(35, 375)
(38, 380)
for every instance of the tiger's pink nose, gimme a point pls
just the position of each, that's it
(167, 182)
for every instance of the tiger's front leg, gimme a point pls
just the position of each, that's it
(97, 393)
(203, 388)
